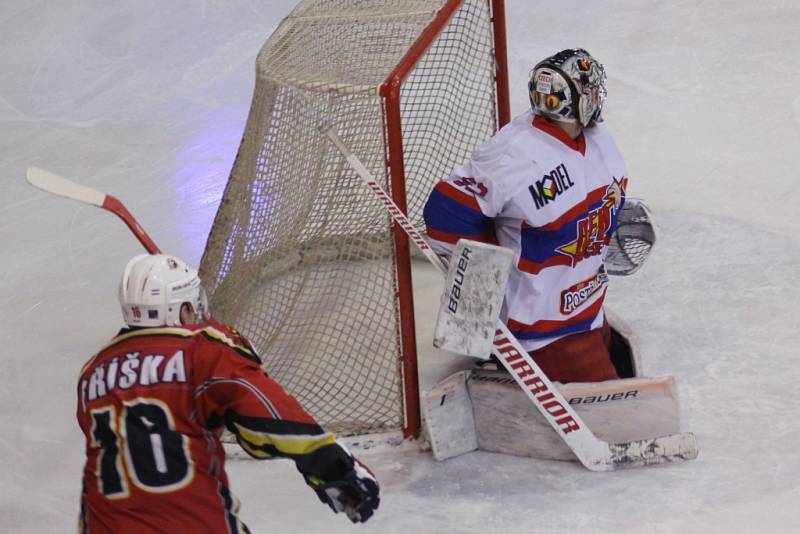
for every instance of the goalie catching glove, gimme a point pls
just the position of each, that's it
(632, 240)
(356, 493)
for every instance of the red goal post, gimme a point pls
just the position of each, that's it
(300, 257)
(390, 90)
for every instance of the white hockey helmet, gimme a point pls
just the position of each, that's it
(155, 286)
(569, 86)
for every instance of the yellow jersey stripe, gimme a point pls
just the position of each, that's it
(210, 331)
(150, 331)
(255, 453)
(215, 334)
(295, 445)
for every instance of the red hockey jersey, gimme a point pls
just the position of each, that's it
(152, 405)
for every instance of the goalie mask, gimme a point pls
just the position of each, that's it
(154, 287)
(569, 87)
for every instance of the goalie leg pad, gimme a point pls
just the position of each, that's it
(447, 417)
(615, 410)
(485, 410)
(625, 346)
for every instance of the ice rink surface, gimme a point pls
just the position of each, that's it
(147, 100)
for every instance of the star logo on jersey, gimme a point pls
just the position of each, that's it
(594, 230)
(616, 193)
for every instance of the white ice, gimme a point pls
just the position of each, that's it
(148, 99)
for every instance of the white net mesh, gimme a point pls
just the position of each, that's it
(300, 257)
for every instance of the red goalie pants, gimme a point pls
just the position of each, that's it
(583, 357)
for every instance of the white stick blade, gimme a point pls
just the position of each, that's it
(666, 449)
(58, 185)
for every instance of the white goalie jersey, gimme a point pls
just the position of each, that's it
(555, 202)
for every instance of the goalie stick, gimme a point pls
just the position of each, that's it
(594, 453)
(58, 185)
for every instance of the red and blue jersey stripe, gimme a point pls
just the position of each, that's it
(451, 214)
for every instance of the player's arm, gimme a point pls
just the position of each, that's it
(457, 209)
(268, 422)
(466, 204)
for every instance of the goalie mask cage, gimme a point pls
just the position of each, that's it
(301, 257)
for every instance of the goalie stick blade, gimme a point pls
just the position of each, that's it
(52, 183)
(640, 453)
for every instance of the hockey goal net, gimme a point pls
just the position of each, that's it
(301, 257)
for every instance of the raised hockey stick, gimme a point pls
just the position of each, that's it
(594, 453)
(58, 185)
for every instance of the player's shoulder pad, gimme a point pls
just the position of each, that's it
(151, 331)
(504, 161)
(497, 149)
(141, 333)
(212, 331)
(231, 338)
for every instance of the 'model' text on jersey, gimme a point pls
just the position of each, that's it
(550, 186)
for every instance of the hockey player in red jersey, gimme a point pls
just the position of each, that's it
(550, 185)
(154, 401)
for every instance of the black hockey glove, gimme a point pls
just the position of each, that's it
(356, 494)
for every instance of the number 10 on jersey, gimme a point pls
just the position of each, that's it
(139, 446)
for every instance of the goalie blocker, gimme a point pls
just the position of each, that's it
(473, 295)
